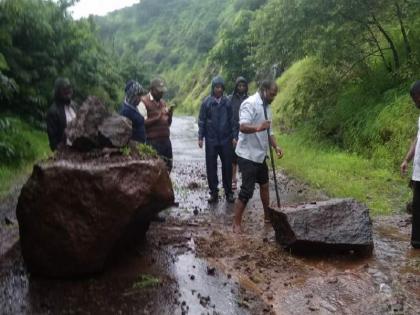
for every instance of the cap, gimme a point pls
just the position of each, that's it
(158, 84)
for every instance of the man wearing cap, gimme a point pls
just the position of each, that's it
(158, 119)
(61, 112)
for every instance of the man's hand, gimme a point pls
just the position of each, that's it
(264, 125)
(404, 167)
(234, 142)
(279, 152)
(200, 144)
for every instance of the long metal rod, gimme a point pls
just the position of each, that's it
(273, 165)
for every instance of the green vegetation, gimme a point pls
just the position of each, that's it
(147, 150)
(20, 146)
(344, 68)
(146, 281)
(342, 174)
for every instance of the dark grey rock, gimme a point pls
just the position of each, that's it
(83, 131)
(326, 226)
(116, 130)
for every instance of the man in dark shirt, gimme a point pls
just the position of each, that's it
(61, 112)
(238, 96)
(215, 124)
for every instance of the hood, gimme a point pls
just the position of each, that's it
(240, 80)
(217, 80)
(59, 84)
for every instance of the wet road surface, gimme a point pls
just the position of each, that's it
(193, 264)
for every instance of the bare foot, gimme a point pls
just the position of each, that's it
(237, 229)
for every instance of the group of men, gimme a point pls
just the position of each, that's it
(233, 128)
(151, 118)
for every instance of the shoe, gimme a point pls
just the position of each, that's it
(213, 198)
(230, 198)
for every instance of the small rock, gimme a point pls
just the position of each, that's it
(211, 271)
(9, 221)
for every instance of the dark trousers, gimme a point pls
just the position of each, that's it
(415, 234)
(163, 147)
(225, 154)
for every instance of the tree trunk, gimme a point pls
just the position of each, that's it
(380, 50)
(390, 42)
(403, 30)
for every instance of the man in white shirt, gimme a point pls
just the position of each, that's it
(252, 147)
(414, 152)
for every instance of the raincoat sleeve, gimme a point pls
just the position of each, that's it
(202, 118)
(232, 121)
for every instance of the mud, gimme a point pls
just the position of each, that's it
(197, 266)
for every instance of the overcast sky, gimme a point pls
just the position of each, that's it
(98, 7)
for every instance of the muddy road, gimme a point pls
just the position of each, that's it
(193, 264)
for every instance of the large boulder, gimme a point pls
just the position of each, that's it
(328, 226)
(74, 213)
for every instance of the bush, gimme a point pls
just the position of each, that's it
(19, 143)
(308, 92)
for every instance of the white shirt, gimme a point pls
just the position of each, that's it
(70, 116)
(416, 160)
(142, 107)
(253, 146)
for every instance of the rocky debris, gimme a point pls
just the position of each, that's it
(89, 201)
(95, 127)
(327, 226)
(115, 129)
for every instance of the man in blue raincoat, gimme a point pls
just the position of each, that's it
(216, 130)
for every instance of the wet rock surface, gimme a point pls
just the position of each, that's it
(336, 225)
(253, 274)
(94, 127)
(91, 198)
(72, 215)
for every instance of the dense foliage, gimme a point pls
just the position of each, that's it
(40, 41)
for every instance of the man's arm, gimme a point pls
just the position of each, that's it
(273, 143)
(52, 130)
(151, 121)
(202, 118)
(408, 157)
(246, 114)
(250, 128)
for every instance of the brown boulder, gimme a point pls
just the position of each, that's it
(73, 214)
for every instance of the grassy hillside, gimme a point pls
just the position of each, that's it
(173, 39)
